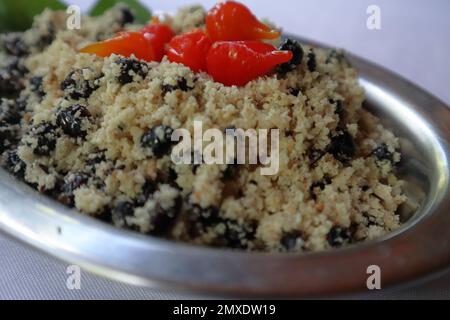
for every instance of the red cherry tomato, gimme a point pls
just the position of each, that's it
(125, 44)
(239, 62)
(160, 35)
(160, 30)
(231, 21)
(190, 49)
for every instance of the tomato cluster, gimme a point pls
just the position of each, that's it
(230, 49)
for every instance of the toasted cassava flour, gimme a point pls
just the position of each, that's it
(95, 134)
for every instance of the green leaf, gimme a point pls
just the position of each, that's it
(16, 15)
(142, 13)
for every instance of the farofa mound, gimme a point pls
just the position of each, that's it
(82, 129)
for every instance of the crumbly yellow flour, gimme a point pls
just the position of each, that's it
(83, 122)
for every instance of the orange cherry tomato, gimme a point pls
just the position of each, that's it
(239, 62)
(190, 49)
(125, 44)
(231, 21)
(147, 44)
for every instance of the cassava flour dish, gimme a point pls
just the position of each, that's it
(94, 133)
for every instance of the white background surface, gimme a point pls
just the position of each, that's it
(414, 41)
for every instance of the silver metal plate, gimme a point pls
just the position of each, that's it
(421, 247)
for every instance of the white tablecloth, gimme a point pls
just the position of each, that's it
(414, 41)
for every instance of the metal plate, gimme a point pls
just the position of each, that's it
(421, 247)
